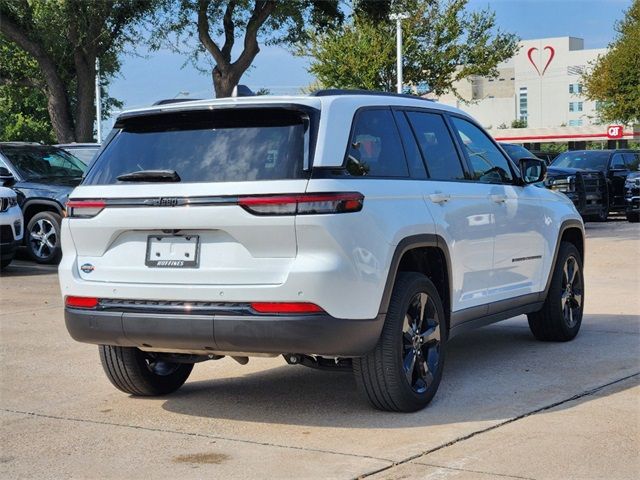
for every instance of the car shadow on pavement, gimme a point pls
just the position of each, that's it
(19, 268)
(497, 372)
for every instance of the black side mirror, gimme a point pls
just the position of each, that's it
(6, 177)
(532, 170)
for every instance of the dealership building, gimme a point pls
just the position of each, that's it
(541, 85)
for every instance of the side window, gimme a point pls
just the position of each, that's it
(633, 160)
(488, 163)
(617, 162)
(414, 157)
(374, 148)
(437, 146)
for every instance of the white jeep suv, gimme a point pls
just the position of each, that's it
(342, 230)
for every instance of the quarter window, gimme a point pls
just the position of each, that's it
(437, 146)
(488, 164)
(374, 148)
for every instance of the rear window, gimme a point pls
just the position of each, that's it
(208, 146)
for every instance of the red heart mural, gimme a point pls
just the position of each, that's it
(552, 53)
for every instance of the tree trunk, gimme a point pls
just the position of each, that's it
(58, 105)
(85, 107)
(57, 98)
(225, 81)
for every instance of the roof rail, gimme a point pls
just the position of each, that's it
(339, 91)
(168, 101)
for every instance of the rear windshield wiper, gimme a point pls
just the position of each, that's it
(150, 176)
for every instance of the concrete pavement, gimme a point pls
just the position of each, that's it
(508, 406)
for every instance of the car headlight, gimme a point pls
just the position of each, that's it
(562, 184)
(13, 201)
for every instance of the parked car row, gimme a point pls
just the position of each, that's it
(597, 181)
(42, 178)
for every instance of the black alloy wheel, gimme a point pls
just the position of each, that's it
(421, 342)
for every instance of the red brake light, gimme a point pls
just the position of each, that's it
(85, 208)
(81, 302)
(303, 204)
(285, 307)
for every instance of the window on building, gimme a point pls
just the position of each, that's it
(575, 88)
(575, 123)
(523, 103)
(375, 145)
(575, 106)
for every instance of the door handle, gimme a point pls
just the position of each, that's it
(439, 198)
(499, 198)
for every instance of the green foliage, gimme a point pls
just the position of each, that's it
(615, 77)
(554, 147)
(23, 104)
(519, 124)
(48, 50)
(442, 44)
(359, 55)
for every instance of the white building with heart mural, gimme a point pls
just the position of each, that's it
(541, 85)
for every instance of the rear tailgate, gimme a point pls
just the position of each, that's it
(193, 231)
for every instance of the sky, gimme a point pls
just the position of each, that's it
(152, 76)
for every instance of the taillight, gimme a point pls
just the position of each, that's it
(81, 302)
(303, 204)
(285, 307)
(84, 208)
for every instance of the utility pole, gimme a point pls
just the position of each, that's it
(398, 17)
(98, 104)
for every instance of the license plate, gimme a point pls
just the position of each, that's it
(173, 251)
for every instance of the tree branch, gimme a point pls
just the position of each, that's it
(229, 30)
(205, 36)
(261, 12)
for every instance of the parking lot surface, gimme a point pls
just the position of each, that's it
(508, 406)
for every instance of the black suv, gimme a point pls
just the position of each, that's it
(43, 176)
(587, 175)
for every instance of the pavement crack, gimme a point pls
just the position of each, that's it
(193, 434)
(501, 424)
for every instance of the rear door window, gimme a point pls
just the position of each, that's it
(374, 148)
(208, 146)
(437, 146)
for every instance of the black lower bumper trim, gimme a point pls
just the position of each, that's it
(318, 334)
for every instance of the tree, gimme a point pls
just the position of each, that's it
(615, 77)
(519, 124)
(23, 105)
(442, 44)
(217, 24)
(64, 38)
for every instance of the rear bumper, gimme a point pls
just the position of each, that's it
(318, 334)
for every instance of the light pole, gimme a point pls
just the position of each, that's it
(98, 104)
(398, 17)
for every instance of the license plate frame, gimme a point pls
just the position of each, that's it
(182, 254)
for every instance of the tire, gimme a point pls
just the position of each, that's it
(633, 217)
(560, 318)
(602, 216)
(5, 263)
(381, 375)
(138, 373)
(43, 237)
